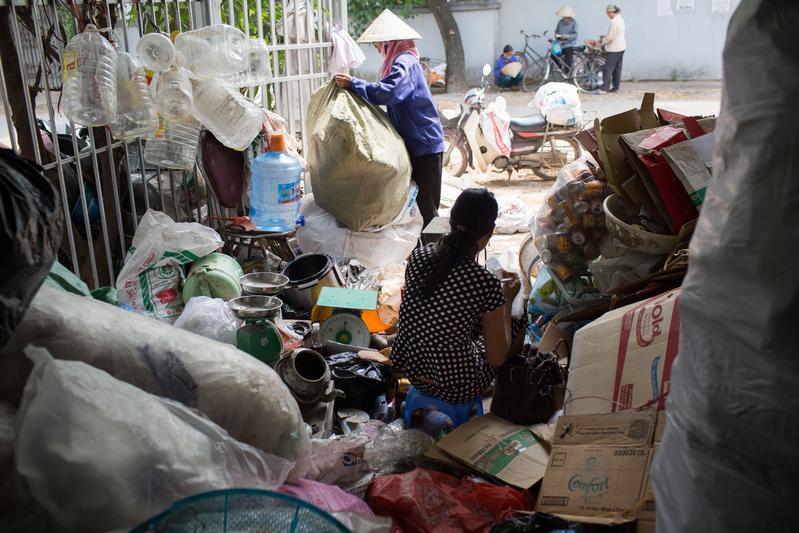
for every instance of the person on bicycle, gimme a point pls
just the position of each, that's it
(508, 76)
(615, 44)
(406, 95)
(566, 34)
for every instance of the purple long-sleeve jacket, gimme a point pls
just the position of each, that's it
(410, 105)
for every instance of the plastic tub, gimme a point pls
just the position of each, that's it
(632, 235)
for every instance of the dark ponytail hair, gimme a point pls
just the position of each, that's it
(472, 217)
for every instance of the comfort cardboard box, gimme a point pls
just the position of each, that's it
(517, 455)
(623, 359)
(598, 465)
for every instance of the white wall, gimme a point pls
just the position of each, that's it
(686, 45)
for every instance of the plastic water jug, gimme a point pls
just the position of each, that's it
(233, 119)
(213, 51)
(175, 97)
(90, 79)
(173, 144)
(135, 109)
(156, 52)
(275, 189)
(258, 71)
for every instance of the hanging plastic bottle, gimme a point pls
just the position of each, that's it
(175, 97)
(90, 79)
(136, 115)
(275, 188)
(233, 119)
(173, 144)
(258, 71)
(213, 51)
(156, 52)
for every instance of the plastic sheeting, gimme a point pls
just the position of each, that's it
(235, 390)
(100, 454)
(728, 460)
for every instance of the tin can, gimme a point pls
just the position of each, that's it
(596, 207)
(590, 250)
(592, 221)
(581, 207)
(558, 242)
(595, 189)
(577, 236)
(562, 271)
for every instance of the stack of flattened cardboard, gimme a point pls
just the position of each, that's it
(598, 467)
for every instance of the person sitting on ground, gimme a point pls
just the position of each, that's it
(508, 69)
(566, 34)
(454, 325)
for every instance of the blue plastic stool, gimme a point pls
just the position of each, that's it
(458, 412)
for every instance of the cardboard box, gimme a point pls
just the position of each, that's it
(516, 455)
(623, 359)
(692, 162)
(598, 465)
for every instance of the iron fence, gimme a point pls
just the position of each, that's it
(105, 185)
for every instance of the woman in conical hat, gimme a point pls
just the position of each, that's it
(404, 91)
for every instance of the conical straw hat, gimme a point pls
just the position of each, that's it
(566, 11)
(388, 27)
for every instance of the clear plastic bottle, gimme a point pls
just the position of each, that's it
(173, 144)
(135, 110)
(90, 79)
(275, 189)
(213, 51)
(175, 96)
(233, 119)
(156, 52)
(258, 71)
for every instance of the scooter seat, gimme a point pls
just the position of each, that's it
(532, 123)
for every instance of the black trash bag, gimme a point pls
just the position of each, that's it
(361, 381)
(32, 224)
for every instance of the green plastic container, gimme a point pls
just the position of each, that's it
(215, 275)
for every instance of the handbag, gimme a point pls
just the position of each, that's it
(529, 389)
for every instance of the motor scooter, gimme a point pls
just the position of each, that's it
(535, 143)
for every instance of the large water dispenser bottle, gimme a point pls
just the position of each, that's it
(275, 190)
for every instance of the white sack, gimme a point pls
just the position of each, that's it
(323, 234)
(232, 388)
(150, 278)
(101, 455)
(495, 123)
(559, 103)
(728, 460)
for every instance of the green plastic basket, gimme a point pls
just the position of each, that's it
(239, 510)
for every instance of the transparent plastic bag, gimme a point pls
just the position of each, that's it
(122, 455)
(395, 449)
(209, 317)
(569, 227)
(621, 265)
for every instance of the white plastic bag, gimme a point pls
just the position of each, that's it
(559, 103)
(209, 317)
(339, 460)
(346, 55)
(101, 455)
(232, 388)
(508, 261)
(495, 123)
(393, 243)
(513, 216)
(150, 279)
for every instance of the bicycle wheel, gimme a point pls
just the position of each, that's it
(456, 153)
(534, 74)
(556, 152)
(589, 73)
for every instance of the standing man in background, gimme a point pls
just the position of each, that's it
(615, 44)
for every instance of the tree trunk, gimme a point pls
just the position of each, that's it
(453, 45)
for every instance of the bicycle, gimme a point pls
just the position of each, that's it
(585, 73)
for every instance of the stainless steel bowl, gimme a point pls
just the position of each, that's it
(264, 283)
(255, 306)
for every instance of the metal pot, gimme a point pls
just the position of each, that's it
(308, 274)
(307, 375)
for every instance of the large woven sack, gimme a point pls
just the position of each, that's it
(359, 166)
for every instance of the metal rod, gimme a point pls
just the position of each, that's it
(174, 195)
(103, 222)
(230, 14)
(12, 132)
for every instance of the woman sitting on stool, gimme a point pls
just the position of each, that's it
(454, 326)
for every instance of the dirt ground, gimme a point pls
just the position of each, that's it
(692, 98)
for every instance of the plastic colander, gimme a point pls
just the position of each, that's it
(239, 510)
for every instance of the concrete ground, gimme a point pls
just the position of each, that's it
(690, 98)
